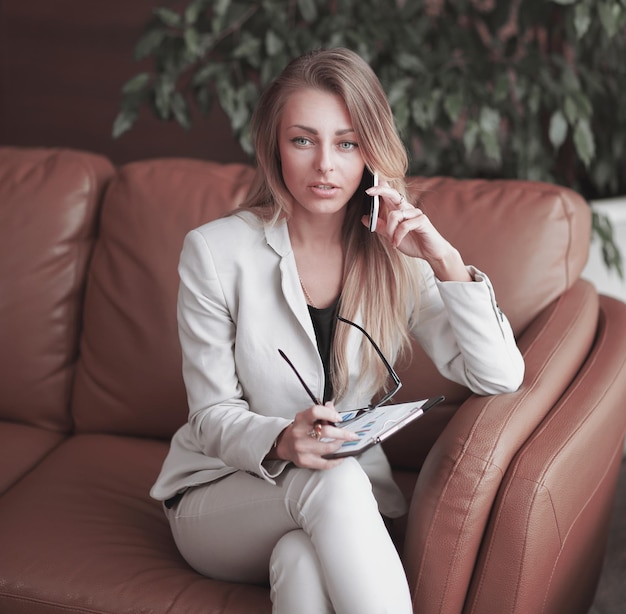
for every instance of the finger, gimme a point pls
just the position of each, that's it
(408, 221)
(325, 413)
(395, 207)
(391, 197)
(396, 219)
(329, 433)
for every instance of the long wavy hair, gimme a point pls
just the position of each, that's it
(377, 279)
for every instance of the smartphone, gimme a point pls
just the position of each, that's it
(373, 202)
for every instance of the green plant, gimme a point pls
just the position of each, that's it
(525, 88)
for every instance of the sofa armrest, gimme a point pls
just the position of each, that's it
(461, 476)
(551, 517)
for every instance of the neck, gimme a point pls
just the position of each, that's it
(317, 232)
(318, 251)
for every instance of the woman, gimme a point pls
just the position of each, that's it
(248, 491)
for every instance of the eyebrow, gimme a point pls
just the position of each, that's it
(314, 131)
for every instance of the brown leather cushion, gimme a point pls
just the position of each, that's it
(129, 373)
(80, 532)
(48, 210)
(21, 448)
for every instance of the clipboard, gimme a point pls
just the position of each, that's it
(376, 425)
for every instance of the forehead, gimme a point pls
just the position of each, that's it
(316, 109)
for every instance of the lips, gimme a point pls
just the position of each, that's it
(323, 186)
(324, 189)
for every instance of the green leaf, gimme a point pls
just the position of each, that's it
(149, 43)
(205, 74)
(163, 92)
(399, 90)
(584, 141)
(246, 143)
(194, 10)
(424, 111)
(192, 42)
(564, 2)
(492, 146)
(249, 48)
(124, 121)
(534, 99)
(168, 17)
(609, 14)
(571, 110)
(308, 10)
(570, 79)
(502, 88)
(611, 254)
(489, 123)
(220, 7)
(238, 115)
(453, 105)
(273, 43)
(411, 63)
(401, 114)
(558, 129)
(180, 110)
(470, 136)
(582, 19)
(585, 107)
(136, 84)
(489, 120)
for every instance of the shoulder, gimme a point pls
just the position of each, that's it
(227, 236)
(241, 240)
(244, 223)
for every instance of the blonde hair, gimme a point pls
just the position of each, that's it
(377, 279)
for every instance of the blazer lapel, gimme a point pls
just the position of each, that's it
(277, 237)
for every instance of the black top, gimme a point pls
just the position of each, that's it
(324, 323)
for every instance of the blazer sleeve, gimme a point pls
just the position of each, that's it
(464, 332)
(221, 424)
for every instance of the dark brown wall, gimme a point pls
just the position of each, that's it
(62, 65)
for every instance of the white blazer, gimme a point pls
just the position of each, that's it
(240, 299)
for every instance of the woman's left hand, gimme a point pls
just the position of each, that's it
(410, 230)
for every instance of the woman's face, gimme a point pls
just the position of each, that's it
(321, 162)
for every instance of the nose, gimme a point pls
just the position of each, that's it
(325, 159)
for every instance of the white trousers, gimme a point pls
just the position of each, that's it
(317, 536)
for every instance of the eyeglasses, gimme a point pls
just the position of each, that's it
(353, 413)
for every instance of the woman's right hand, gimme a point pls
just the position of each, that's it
(311, 435)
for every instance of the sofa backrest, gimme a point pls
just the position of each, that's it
(49, 202)
(531, 239)
(129, 378)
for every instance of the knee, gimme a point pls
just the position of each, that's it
(293, 553)
(346, 480)
(345, 487)
(296, 576)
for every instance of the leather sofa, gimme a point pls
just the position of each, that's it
(510, 494)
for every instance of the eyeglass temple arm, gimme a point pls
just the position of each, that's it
(392, 373)
(315, 400)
